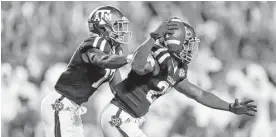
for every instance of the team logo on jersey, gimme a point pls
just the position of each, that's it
(182, 72)
(103, 14)
(171, 80)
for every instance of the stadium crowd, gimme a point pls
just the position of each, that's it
(237, 59)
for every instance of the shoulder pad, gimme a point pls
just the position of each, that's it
(96, 42)
(160, 54)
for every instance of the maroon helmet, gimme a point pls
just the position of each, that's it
(183, 44)
(110, 23)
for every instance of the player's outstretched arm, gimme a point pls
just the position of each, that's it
(101, 59)
(210, 100)
(140, 64)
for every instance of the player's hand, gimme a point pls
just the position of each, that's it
(244, 107)
(130, 58)
(164, 28)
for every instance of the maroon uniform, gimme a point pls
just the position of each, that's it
(93, 63)
(136, 93)
(82, 78)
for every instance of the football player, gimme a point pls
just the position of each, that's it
(157, 68)
(94, 62)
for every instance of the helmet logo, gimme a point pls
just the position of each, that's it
(102, 14)
(188, 34)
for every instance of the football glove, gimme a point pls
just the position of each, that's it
(164, 28)
(244, 107)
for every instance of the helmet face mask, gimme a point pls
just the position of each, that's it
(190, 50)
(120, 31)
(109, 22)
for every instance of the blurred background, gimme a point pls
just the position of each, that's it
(237, 59)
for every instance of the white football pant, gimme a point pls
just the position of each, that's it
(117, 123)
(69, 116)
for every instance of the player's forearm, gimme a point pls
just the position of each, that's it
(104, 60)
(140, 58)
(113, 62)
(210, 100)
(206, 98)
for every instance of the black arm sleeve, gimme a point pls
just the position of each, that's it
(101, 59)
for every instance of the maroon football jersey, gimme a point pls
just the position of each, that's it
(136, 93)
(80, 80)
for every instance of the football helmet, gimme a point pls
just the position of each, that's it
(183, 44)
(110, 23)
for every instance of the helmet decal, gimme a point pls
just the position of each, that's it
(103, 14)
(172, 41)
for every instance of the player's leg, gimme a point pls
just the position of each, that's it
(117, 123)
(70, 123)
(47, 114)
(69, 118)
(105, 116)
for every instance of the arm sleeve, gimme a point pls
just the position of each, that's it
(101, 59)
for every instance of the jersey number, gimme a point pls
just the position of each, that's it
(153, 95)
(109, 74)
